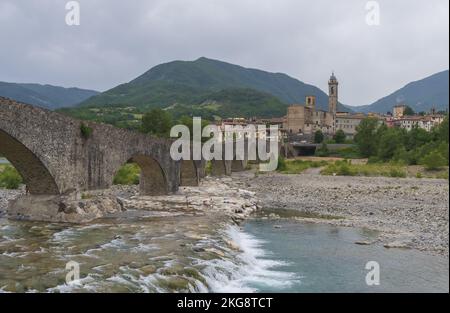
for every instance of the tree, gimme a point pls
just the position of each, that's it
(409, 111)
(157, 122)
(188, 121)
(339, 137)
(389, 143)
(365, 137)
(416, 137)
(441, 131)
(318, 136)
(433, 160)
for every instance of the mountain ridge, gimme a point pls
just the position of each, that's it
(191, 82)
(46, 96)
(420, 95)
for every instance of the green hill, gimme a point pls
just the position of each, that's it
(189, 85)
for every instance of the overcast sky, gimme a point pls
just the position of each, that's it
(119, 40)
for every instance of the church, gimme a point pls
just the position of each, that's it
(306, 119)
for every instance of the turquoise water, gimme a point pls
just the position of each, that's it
(323, 258)
(148, 252)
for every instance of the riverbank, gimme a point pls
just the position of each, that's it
(215, 196)
(407, 212)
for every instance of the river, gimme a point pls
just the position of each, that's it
(144, 252)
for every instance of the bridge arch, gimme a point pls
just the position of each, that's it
(35, 174)
(153, 180)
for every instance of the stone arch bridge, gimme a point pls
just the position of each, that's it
(55, 157)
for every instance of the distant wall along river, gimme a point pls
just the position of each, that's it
(142, 252)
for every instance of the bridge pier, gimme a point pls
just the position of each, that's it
(189, 173)
(220, 168)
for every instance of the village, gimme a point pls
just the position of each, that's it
(303, 121)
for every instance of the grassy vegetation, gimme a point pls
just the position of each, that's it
(297, 166)
(345, 168)
(347, 153)
(128, 175)
(9, 177)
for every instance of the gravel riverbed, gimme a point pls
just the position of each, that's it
(407, 212)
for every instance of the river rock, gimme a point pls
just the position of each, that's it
(64, 209)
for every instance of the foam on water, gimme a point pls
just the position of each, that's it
(250, 268)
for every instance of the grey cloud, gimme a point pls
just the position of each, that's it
(118, 40)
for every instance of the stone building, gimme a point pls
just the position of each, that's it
(426, 122)
(305, 119)
(398, 111)
(348, 122)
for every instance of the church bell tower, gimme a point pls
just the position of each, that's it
(333, 99)
(332, 94)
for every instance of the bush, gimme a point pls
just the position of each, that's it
(10, 178)
(348, 153)
(341, 168)
(339, 137)
(323, 151)
(344, 170)
(208, 168)
(402, 156)
(433, 160)
(373, 160)
(128, 175)
(318, 137)
(281, 164)
(86, 131)
(397, 172)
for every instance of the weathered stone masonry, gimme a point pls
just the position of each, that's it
(53, 157)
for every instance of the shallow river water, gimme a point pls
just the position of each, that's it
(162, 253)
